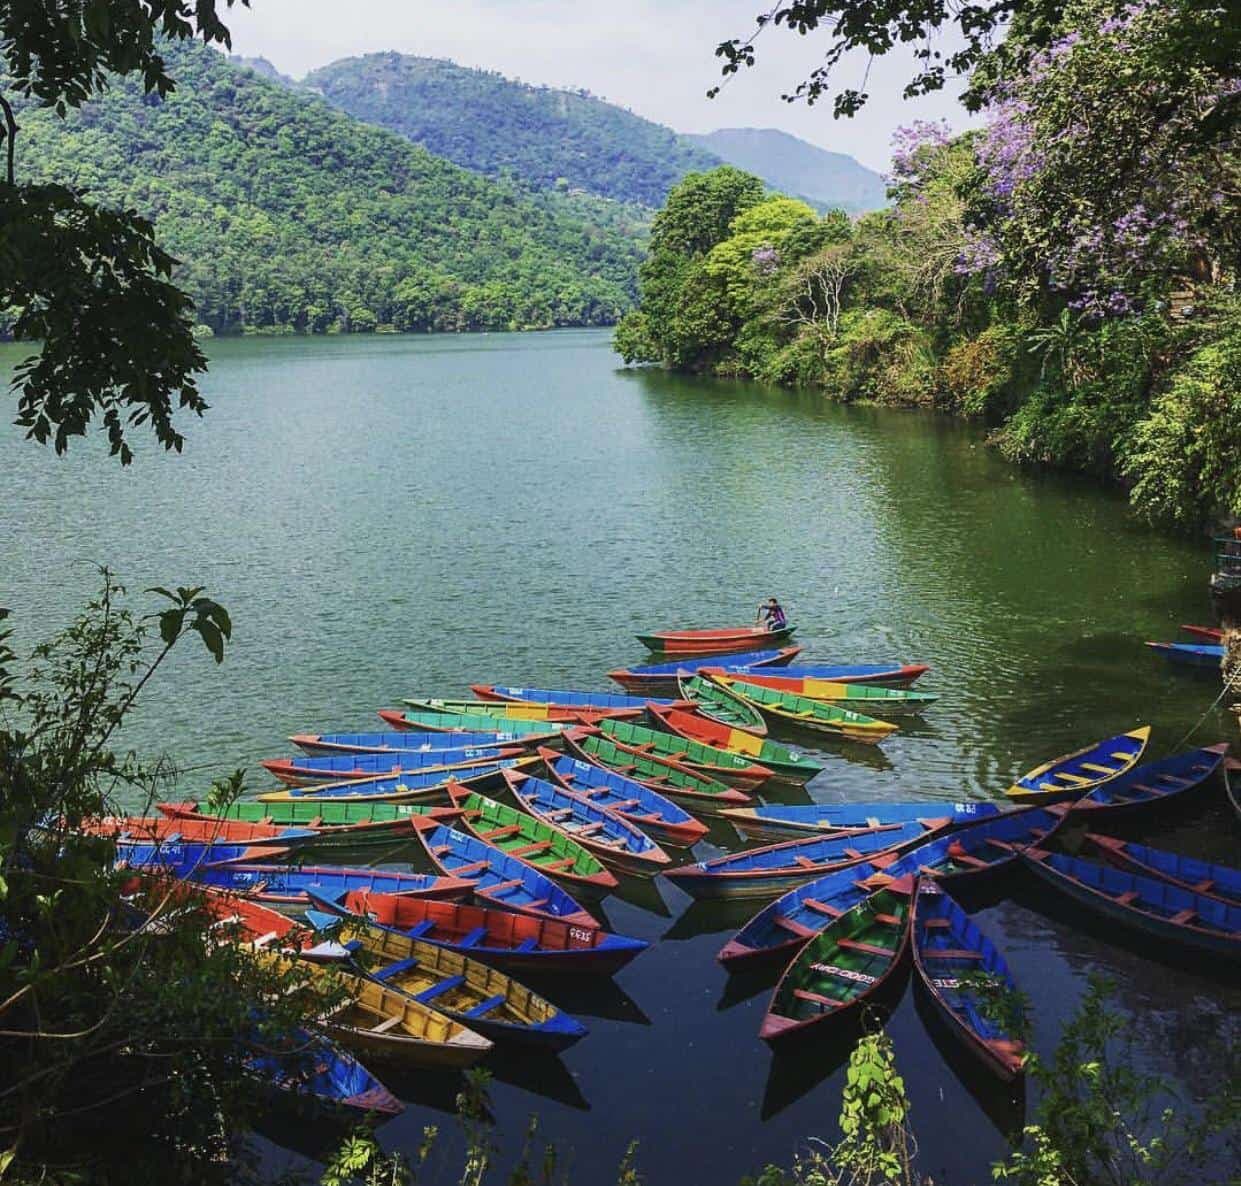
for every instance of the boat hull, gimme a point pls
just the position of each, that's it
(714, 642)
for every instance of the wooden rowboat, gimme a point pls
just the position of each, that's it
(180, 859)
(1189, 654)
(608, 703)
(714, 700)
(1073, 775)
(873, 699)
(161, 829)
(316, 1069)
(1200, 877)
(671, 779)
(407, 741)
(533, 842)
(1212, 635)
(802, 713)
(291, 885)
(418, 786)
(661, 678)
(714, 642)
(841, 968)
(498, 878)
(785, 763)
(307, 771)
(634, 801)
(339, 822)
(779, 821)
(469, 992)
(733, 770)
(950, 955)
(1148, 905)
(976, 852)
(471, 724)
(505, 711)
(890, 675)
(514, 942)
(615, 841)
(1154, 783)
(774, 869)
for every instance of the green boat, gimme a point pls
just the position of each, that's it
(336, 823)
(803, 713)
(733, 769)
(716, 701)
(435, 721)
(785, 763)
(843, 966)
(533, 842)
(702, 795)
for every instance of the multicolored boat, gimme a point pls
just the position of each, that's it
(714, 700)
(506, 711)
(496, 877)
(779, 821)
(1152, 783)
(339, 822)
(1200, 877)
(799, 712)
(634, 801)
(614, 840)
(533, 842)
(973, 853)
(843, 966)
(1073, 775)
(609, 703)
(469, 992)
(873, 699)
(732, 769)
(1189, 654)
(679, 783)
(161, 829)
(405, 741)
(958, 965)
(514, 942)
(662, 678)
(307, 771)
(420, 786)
(471, 724)
(785, 763)
(1149, 905)
(764, 872)
(721, 641)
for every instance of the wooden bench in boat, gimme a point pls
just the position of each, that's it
(950, 953)
(864, 948)
(821, 907)
(817, 998)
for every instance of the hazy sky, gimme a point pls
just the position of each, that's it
(652, 56)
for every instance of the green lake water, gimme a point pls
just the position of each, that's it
(388, 516)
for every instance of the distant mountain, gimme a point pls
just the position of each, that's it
(797, 167)
(286, 214)
(483, 121)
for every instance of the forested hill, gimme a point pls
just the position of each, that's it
(794, 166)
(288, 214)
(492, 124)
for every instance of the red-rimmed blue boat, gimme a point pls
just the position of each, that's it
(1190, 654)
(657, 678)
(570, 702)
(408, 741)
(1152, 783)
(309, 770)
(1207, 878)
(783, 821)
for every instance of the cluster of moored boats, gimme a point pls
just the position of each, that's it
(529, 802)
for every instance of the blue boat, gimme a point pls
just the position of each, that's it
(1071, 776)
(760, 872)
(498, 878)
(949, 952)
(291, 885)
(412, 742)
(780, 821)
(1200, 877)
(1155, 908)
(635, 801)
(972, 852)
(402, 788)
(613, 839)
(178, 858)
(891, 675)
(563, 698)
(1190, 654)
(300, 770)
(658, 677)
(1154, 782)
(322, 1072)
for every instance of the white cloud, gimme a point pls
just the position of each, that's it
(653, 57)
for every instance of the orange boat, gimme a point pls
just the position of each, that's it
(714, 642)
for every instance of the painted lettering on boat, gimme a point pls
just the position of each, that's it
(843, 973)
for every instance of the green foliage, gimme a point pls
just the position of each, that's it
(548, 138)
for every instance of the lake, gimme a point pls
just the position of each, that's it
(389, 516)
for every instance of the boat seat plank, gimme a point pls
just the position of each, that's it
(950, 953)
(805, 862)
(937, 924)
(420, 928)
(864, 948)
(588, 829)
(439, 989)
(890, 920)
(386, 973)
(387, 1024)
(473, 938)
(1095, 768)
(1127, 897)
(563, 863)
(1183, 916)
(466, 870)
(502, 886)
(527, 945)
(794, 927)
(817, 998)
(484, 1007)
(536, 903)
(526, 850)
(964, 858)
(500, 833)
(821, 907)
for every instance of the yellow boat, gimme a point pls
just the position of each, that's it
(1073, 775)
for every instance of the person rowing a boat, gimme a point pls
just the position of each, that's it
(771, 613)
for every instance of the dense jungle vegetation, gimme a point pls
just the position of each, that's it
(288, 215)
(1067, 274)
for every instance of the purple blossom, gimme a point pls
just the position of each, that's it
(909, 145)
(766, 259)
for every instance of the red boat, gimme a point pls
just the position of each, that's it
(1209, 634)
(723, 641)
(161, 829)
